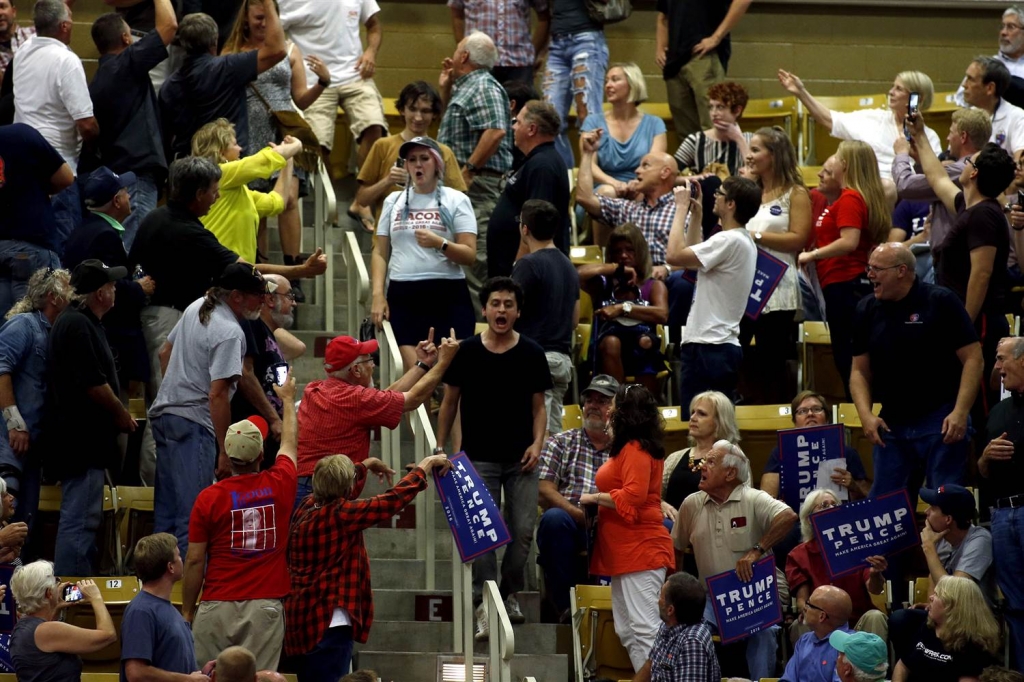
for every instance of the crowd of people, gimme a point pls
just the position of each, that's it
(907, 248)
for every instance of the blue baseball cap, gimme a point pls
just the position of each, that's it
(102, 184)
(865, 650)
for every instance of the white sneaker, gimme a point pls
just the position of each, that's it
(515, 614)
(483, 626)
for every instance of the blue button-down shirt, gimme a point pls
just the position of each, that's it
(814, 660)
(23, 344)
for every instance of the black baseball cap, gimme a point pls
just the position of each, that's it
(951, 499)
(91, 274)
(604, 384)
(422, 141)
(101, 186)
(245, 278)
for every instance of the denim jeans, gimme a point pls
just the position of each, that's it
(302, 490)
(1008, 536)
(143, 196)
(186, 456)
(521, 512)
(575, 67)
(67, 213)
(916, 448)
(560, 541)
(560, 368)
(18, 261)
(157, 321)
(708, 367)
(81, 510)
(330, 659)
(761, 646)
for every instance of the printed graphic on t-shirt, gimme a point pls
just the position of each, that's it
(254, 529)
(932, 655)
(418, 219)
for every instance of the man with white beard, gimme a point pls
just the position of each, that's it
(201, 363)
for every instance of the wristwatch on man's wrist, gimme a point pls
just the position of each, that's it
(759, 548)
(627, 308)
(471, 167)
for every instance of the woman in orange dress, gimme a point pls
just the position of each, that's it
(632, 544)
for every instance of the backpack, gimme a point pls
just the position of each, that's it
(608, 11)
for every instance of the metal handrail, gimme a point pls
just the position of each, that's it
(326, 215)
(502, 639)
(391, 370)
(358, 280)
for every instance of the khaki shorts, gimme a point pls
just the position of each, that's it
(362, 104)
(256, 624)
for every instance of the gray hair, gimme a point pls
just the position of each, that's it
(189, 175)
(864, 675)
(725, 415)
(807, 508)
(41, 284)
(481, 50)
(733, 457)
(47, 15)
(1017, 344)
(1015, 11)
(197, 33)
(30, 583)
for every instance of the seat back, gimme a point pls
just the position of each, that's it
(818, 141)
(598, 647)
(819, 365)
(940, 115)
(920, 589)
(586, 255)
(759, 426)
(134, 519)
(572, 417)
(117, 593)
(774, 111)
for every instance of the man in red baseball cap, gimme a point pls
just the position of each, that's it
(337, 414)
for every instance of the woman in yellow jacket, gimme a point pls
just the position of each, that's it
(234, 218)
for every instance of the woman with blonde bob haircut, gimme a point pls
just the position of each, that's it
(712, 418)
(331, 603)
(960, 639)
(44, 649)
(844, 236)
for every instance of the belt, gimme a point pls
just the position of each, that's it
(488, 172)
(1011, 502)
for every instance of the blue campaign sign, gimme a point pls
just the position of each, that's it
(7, 606)
(850, 533)
(800, 453)
(474, 516)
(767, 275)
(743, 609)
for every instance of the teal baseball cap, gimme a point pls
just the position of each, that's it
(865, 650)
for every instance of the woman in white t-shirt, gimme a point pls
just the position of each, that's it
(879, 128)
(782, 228)
(425, 234)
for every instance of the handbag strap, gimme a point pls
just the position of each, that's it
(263, 99)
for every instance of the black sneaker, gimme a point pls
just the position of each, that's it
(300, 296)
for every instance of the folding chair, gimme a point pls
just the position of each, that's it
(597, 651)
(134, 520)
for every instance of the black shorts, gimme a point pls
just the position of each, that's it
(417, 306)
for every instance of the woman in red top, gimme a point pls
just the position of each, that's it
(844, 235)
(632, 545)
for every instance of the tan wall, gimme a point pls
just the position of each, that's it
(836, 50)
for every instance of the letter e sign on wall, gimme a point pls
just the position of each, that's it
(434, 608)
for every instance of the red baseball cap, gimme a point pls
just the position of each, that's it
(342, 350)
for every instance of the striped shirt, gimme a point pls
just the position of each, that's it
(478, 103)
(507, 22)
(698, 150)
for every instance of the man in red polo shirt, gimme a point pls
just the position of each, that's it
(237, 536)
(337, 414)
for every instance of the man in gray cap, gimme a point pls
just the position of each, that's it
(568, 463)
(84, 391)
(237, 536)
(862, 656)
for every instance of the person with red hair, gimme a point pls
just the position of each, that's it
(723, 142)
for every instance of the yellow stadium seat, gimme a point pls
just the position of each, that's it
(134, 519)
(586, 307)
(810, 175)
(818, 141)
(846, 414)
(883, 602)
(759, 426)
(940, 115)
(117, 592)
(818, 366)
(572, 417)
(596, 647)
(586, 255)
(920, 590)
(776, 111)
(677, 427)
(583, 332)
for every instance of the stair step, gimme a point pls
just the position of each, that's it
(392, 635)
(417, 667)
(400, 605)
(408, 573)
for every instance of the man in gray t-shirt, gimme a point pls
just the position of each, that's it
(952, 544)
(201, 362)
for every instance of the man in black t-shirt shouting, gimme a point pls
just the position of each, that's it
(498, 379)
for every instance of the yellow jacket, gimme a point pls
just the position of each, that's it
(234, 218)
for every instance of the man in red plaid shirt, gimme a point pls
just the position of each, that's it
(337, 414)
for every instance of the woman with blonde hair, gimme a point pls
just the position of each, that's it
(782, 227)
(960, 639)
(879, 128)
(712, 418)
(628, 305)
(844, 235)
(282, 87)
(234, 218)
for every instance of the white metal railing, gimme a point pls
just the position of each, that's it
(502, 639)
(391, 370)
(358, 281)
(326, 215)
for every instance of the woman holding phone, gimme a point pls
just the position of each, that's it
(43, 648)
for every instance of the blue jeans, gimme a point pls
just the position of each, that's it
(23, 477)
(575, 68)
(708, 367)
(761, 646)
(304, 488)
(67, 213)
(520, 509)
(1008, 536)
(916, 448)
(143, 196)
(186, 457)
(18, 261)
(81, 510)
(560, 541)
(330, 659)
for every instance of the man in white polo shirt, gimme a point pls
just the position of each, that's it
(985, 82)
(727, 261)
(52, 96)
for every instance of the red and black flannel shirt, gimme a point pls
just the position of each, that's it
(328, 563)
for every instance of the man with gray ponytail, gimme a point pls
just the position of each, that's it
(730, 527)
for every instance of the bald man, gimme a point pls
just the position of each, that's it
(827, 609)
(655, 178)
(922, 429)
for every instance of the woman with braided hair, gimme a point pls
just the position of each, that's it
(425, 233)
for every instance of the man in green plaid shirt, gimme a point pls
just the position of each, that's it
(476, 127)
